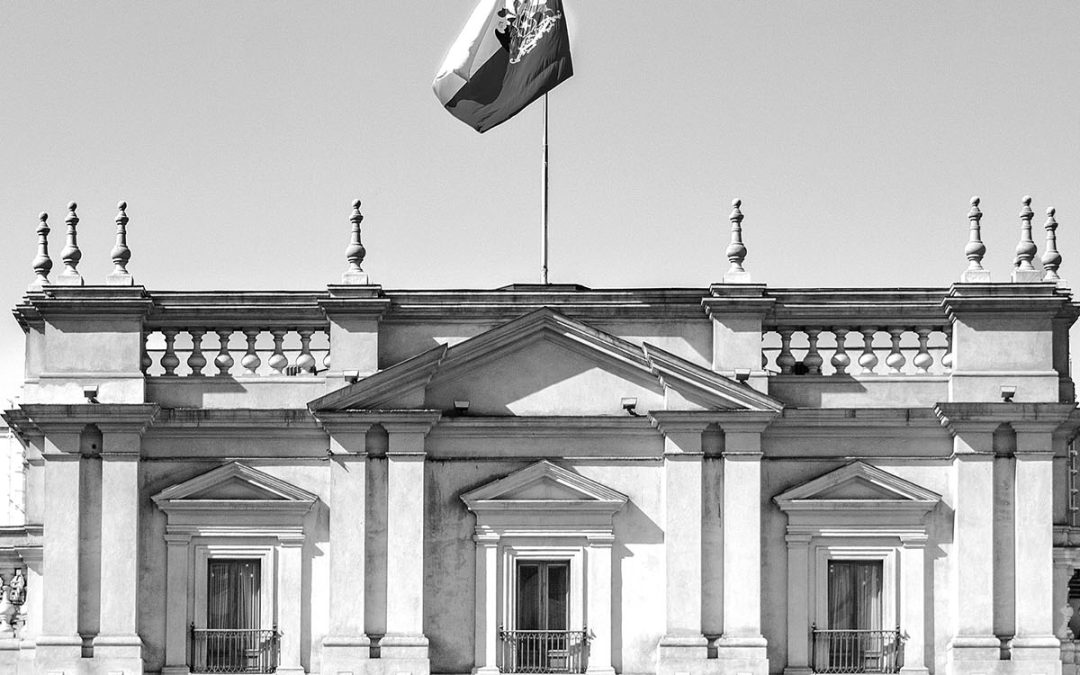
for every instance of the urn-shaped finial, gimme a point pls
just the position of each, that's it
(71, 254)
(355, 251)
(121, 254)
(1023, 270)
(975, 249)
(1051, 259)
(736, 250)
(42, 262)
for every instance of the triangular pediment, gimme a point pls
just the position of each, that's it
(545, 363)
(543, 482)
(856, 482)
(234, 482)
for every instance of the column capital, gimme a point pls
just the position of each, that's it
(798, 540)
(485, 537)
(601, 539)
(177, 538)
(914, 540)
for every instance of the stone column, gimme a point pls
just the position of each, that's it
(742, 645)
(117, 646)
(1034, 645)
(973, 645)
(290, 602)
(913, 606)
(404, 648)
(682, 649)
(598, 617)
(177, 572)
(487, 602)
(59, 647)
(798, 605)
(346, 645)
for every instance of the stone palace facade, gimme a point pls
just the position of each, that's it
(729, 479)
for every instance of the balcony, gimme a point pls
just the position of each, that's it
(856, 651)
(543, 651)
(228, 650)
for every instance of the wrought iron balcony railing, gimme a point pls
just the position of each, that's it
(856, 651)
(228, 650)
(543, 651)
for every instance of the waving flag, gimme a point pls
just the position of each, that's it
(510, 53)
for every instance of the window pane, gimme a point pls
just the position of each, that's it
(233, 594)
(528, 597)
(855, 595)
(558, 575)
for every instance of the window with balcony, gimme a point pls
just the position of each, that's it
(854, 639)
(540, 640)
(234, 639)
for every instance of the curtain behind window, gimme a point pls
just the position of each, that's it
(233, 598)
(855, 595)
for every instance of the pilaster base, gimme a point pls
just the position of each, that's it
(798, 670)
(914, 670)
(970, 654)
(404, 655)
(345, 654)
(175, 670)
(60, 654)
(603, 670)
(9, 655)
(682, 655)
(743, 655)
(1036, 655)
(118, 654)
(485, 670)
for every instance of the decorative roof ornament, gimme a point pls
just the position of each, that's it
(975, 249)
(71, 254)
(1051, 260)
(1023, 271)
(736, 250)
(42, 262)
(355, 251)
(121, 254)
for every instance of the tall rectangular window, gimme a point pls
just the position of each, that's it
(855, 595)
(233, 599)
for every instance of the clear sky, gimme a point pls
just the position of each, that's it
(239, 133)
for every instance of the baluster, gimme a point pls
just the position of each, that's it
(785, 360)
(947, 357)
(42, 262)
(305, 362)
(169, 360)
(896, 359)
(812, 360)
(1051, 260)
(71, 254)
(868, 360)
(224, 360)
(144, 356)
(840, 359)
(277, 361)
(196, 361)
(923, 360)
(326, 359)
(251, 360)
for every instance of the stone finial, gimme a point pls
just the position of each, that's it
(975, 249)
(71, 254)
(736, 250)
(1023, 271)
(121, 254)
(355, 251)
(42, 261)
(1051, 260)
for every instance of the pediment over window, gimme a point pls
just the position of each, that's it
(857, 494)
(544, 495)
(234, 497)
(545, 363)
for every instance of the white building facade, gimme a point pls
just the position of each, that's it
(544, 478)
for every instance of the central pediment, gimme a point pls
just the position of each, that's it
(545, 363)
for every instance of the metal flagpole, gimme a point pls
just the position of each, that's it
(544, 203)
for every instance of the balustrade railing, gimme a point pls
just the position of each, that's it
(237, 352)
(856, 651)
(543, 651)
(227, 650)
(857, 350)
